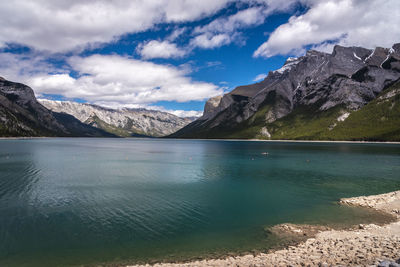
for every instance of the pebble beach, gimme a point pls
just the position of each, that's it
(365, 245)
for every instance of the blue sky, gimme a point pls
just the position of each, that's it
(173, 55)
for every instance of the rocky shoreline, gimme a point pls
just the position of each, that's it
(368, 245)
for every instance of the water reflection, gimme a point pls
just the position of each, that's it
(87, 200)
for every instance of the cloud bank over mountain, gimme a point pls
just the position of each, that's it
(368, 23)
(147, 53)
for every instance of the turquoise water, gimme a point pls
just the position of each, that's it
(66, 202)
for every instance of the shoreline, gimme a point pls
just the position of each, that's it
(298, 141)
(367, 245)
(211, 139)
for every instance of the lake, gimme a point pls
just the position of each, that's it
(82, 201)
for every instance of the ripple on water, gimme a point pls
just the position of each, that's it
(80, 201)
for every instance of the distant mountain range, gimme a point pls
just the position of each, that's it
(121, 122)
(21, 114)
(351, 94)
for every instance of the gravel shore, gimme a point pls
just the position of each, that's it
(369, 245)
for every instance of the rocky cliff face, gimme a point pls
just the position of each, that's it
(317, 83)
(122, 122)
(22, 115)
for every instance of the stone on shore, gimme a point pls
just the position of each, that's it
(369, 245)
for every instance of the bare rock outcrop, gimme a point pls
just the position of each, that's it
(350, 77)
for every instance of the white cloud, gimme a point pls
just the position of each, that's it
(68, 25)
(219, 32)
(186, 113)
(123, 81)
(367, 23)
(260, 77)
(208, 40)
(110, 80)
(19, 67)
(244, 18)
(176, 33)
(160, 49)
(225, 30)
(59, 26)
(178, 112)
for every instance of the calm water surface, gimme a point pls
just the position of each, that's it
(67, 202)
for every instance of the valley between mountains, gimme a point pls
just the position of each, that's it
(352, 93)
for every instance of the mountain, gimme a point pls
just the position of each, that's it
(350, 94)
(22, 115)
(122, 122)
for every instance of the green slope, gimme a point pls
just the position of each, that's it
(379, 120)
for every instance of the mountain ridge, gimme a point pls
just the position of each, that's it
(317, 83)
(125, 122)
